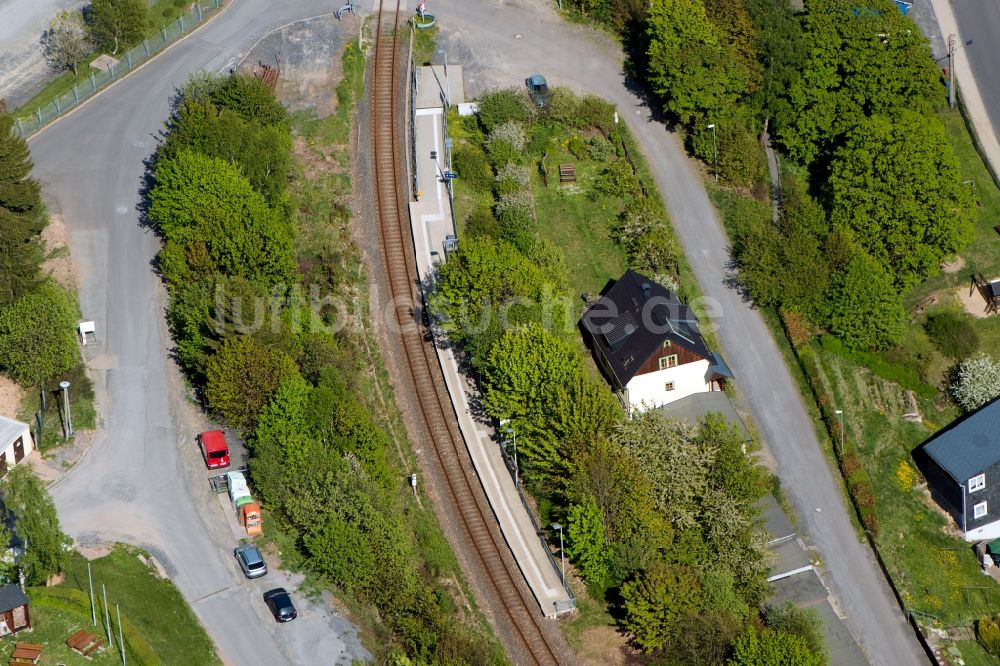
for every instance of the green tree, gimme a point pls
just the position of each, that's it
(805, 623)
(865, 308)
(977, 382)
(37, 335)
(773, 648)
(861, 61)
(117, 23)
(214, 220)
(688, 66)
(501, 106)
(896, 184)
(657, 602)
(243, 375)
(587, 545)
(65, 43)
(251, 98)
(36, 524)
(21, 216)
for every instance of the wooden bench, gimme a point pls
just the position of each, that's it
(26, 653)
(85, 643)
(567, 173)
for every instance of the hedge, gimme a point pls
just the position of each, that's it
(904, 376)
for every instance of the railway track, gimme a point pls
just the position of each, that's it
(493, 563)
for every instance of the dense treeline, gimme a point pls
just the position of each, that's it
(273, 364)
(37, 316)
(850, 93)
(661, 519)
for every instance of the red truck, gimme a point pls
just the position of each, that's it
(214, 448)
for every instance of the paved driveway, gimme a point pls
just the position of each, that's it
(143, 481)
(500, 43)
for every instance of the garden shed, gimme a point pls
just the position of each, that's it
(13, 610)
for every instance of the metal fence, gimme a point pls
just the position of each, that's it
(28, 122)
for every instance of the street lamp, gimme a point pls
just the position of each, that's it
(508, 429)
(840, 413)
(715, 152)
(562, 553)
(447, 81)
(68, 422)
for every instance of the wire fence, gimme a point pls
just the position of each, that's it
(27, 122)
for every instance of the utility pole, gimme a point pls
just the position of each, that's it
(951, 71)
(121, 637)
(93, 604)
(107, 620)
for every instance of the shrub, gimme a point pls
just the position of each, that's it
(869, 520)
(797, 327)
(977, 382)
(902, 375)
(512, 178)
(988, 635)
(618, 180)
(578, 147)
(500, 106)
(472, 166)
(502, 153)
(600, 149)
(511, 132)
(849, 463)
(481, 222)
(952, 333)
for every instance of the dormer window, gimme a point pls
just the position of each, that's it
(977, 483)
(666, 343)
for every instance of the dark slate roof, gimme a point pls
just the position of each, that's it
(719, 368)
(970, 445)
(633, 318)
(12, 597)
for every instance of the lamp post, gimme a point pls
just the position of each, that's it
(715, 152)
(562, 553)
(447, 81)
(508, 429)
(68, 423)
(840, 413)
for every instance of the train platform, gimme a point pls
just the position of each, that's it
(434, 235)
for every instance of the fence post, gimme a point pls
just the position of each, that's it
(56, 102)
(145, 46)
(128, 59)
(17, 124)
(180, 22)
(111, 72)
(38, 114)
(200, 17)
(76, 95)
(163, 34)
(93, 83)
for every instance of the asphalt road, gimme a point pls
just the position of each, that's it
(979, 20)
(501, 43)
(22, 67)
(143, 481)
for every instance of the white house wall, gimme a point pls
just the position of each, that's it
(648, 391)
(987, 532)
(29, 446)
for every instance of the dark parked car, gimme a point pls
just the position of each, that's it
(280, 604)
(538, 89)
(251, 561)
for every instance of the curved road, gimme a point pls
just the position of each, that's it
(501, 43)
(142, 481)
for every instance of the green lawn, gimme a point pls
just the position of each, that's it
(158, 625)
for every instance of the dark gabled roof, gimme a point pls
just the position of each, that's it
(12, 597)
(969, 446)
(632, 320)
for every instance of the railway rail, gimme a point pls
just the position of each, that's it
(490, 556)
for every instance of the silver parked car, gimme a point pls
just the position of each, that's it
(251, 561)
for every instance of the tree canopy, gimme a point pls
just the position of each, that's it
(36, 525)
(116, 24)
(38, 335)
(243, 376)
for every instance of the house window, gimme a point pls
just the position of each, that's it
(669, 386)
(979, 510)
(666, 343)
(977, 483)
(668, 361)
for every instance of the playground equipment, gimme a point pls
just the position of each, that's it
(347, 8)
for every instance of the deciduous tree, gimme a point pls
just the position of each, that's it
(36, 524)
(977, 382)
(896, 184)
(37, 335)
(117, 23)
(587, 545)
(243, 376)
(65, 43)
(772, 648)
(865, 308)
(658, 601)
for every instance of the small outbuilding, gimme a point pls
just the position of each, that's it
(13, 609)
(15, 443)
